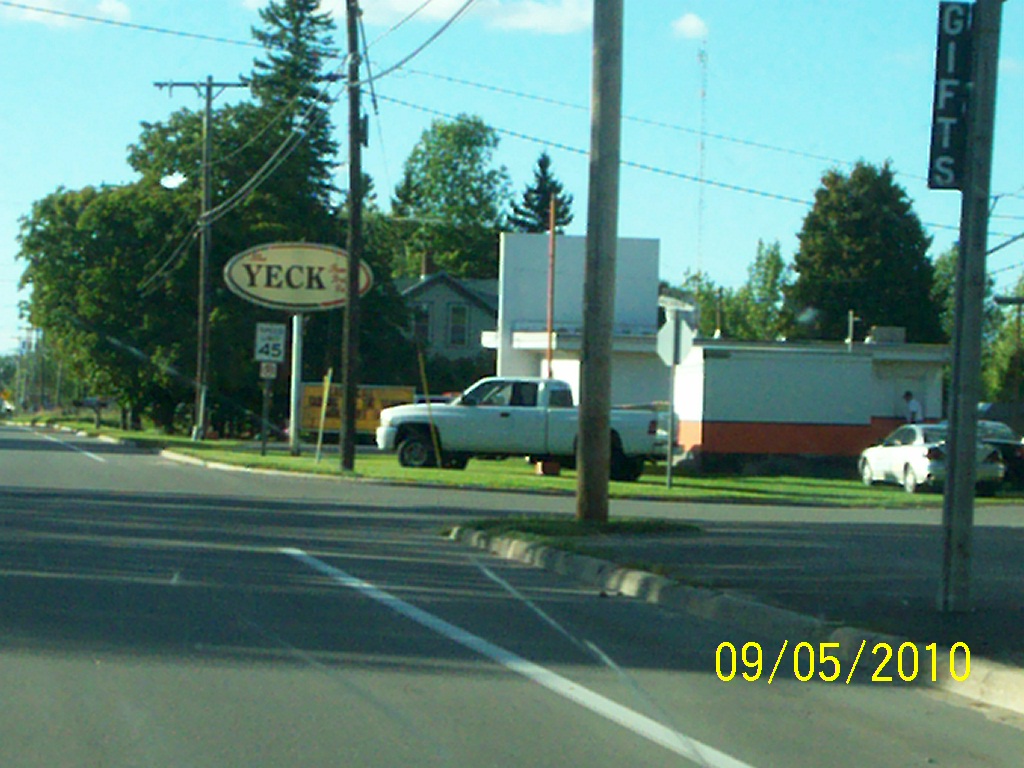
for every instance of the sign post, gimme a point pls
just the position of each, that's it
(324, 400)
(297, 278)
(295, 401)
(674, 342)
(971, 80)
(269, 351)
(268, 372)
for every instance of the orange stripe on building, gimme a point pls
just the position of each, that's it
(779, 438)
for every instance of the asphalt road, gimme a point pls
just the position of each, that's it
(160, 614)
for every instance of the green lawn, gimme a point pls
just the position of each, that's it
(516, 475)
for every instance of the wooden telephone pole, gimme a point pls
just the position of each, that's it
(350, 340)
(958, 502)
(594, 449)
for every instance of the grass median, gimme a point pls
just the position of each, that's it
(515, 474)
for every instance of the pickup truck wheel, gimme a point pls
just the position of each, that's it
(416, 451)
(625, 468)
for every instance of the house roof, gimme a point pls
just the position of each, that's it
(482, 293)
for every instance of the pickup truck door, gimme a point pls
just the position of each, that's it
(509, 420)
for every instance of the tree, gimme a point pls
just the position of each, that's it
(87, 254)
(533, 213)
(1003, 367)
(453, 198)
(289, 85)
(863, 248)
(288, 132)
(700, 290)
(756, 312)
(944, 294)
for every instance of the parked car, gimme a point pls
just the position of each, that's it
(915, 455)
(1010, 446)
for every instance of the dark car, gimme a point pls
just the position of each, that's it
(1010, 446)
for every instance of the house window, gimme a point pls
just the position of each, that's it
(421, 324)
(458, 325)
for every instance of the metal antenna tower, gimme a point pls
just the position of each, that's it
(702, 56)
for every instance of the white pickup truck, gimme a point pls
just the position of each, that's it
(499, 417)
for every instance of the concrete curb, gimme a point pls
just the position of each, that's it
(219, 465)
(988, 683)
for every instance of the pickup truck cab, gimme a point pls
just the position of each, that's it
(499, 417)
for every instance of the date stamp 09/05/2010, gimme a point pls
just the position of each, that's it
(821, 661)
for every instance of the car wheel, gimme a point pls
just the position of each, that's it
(867, 476)
(988, 489)
(910, 482)
(416, 451)
(625, 468)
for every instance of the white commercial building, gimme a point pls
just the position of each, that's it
(731, 398)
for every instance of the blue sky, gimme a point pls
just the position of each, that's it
(793, 88)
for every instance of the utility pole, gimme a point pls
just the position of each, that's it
(205, 246)
(958, 501)
(552, 236)
(350, 338)
(594, 449)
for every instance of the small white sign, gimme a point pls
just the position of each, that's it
(270, 342)
(268, 371)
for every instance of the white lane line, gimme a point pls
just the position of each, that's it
(53, 439)
(649, 729)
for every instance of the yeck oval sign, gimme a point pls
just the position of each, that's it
(296, 277)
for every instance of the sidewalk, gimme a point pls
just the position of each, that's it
(814, 581)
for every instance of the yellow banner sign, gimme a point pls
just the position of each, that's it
(370, 401)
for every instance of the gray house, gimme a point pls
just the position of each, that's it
(449, 313)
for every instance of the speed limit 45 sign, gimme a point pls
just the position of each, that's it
(270, 342)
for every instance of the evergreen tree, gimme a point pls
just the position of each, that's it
(862, 247)
(289, 86)
(533, 213)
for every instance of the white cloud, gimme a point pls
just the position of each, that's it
(691, 26)
(114, 9)
(255, 5)
(560, 17)
(1010, 67)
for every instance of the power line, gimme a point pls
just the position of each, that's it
(298, 134)
(394, 27)
(1002, 245)
(448, 78)
(626, 163)
(129, 25)
(631, 118)
(171, 260)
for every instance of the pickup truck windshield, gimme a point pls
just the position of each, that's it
(502, 393)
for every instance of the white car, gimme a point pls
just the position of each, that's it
(915, 455)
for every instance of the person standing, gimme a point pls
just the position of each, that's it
(913, 408)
